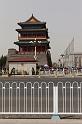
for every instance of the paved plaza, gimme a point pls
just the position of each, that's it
(39, 121)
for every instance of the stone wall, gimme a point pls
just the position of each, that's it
(24, 68)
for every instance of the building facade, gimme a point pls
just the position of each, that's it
(72, 60)
(33, 47)
(77, 60)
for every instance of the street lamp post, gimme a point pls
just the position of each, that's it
(62, 55)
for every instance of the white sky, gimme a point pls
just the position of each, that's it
(63, 17)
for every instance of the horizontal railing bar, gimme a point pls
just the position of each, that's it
(40, 113)
(66, 113)
(26, 113)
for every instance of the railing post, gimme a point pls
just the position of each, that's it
(55, 99)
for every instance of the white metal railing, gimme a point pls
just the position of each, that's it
(71, 101)
(41, 98)
(25, 98)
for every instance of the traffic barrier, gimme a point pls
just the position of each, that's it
(40, 98)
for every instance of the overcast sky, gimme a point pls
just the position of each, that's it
(63, 17)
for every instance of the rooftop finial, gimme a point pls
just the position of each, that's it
(32, 14)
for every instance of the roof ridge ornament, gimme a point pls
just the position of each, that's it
(32, 14)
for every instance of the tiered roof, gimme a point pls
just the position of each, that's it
(35, 29)
(31, 43)
(31, 20)
(21, 59)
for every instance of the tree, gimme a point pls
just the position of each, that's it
(49, 59)
(3, 60)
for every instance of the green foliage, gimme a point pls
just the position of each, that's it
(49, 59)
(2, 62)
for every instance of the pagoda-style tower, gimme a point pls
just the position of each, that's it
(32, 41)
